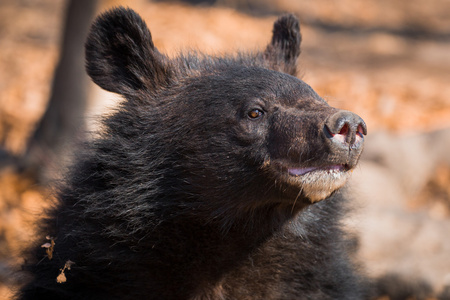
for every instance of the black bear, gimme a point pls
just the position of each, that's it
(216, 178)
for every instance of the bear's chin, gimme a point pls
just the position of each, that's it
(317, 184)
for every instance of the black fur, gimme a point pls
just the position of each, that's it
(186, 194)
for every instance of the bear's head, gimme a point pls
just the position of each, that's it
(231, 134)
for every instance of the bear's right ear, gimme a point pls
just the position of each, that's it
(121, 57)
(283, 51)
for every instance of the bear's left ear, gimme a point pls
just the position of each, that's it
(284, 49)
(121, 56)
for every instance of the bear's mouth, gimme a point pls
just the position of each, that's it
(328, 169)
(317, 183)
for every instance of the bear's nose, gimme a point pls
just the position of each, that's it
(345, 129)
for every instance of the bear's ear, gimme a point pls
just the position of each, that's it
(121, 57)
(284, 49)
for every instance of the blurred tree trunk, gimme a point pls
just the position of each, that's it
(62, 123)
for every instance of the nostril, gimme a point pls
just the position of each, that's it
(361, 131)
(344, 130)
(362, 127)
(345, 134)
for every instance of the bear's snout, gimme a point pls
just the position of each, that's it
(345, 130)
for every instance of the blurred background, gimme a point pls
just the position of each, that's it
(386, 60)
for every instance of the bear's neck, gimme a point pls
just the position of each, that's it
(195, 255)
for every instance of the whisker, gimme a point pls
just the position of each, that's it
(295, 201)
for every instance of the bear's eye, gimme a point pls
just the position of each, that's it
(255, 113)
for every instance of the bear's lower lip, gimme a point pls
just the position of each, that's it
(303, 171)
